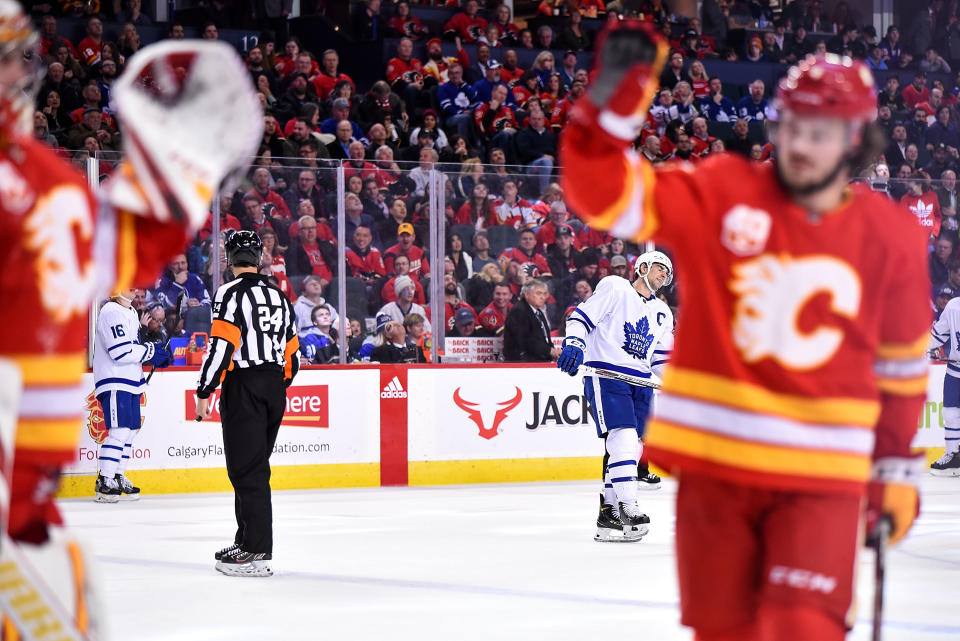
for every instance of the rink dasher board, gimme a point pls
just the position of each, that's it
(364, 426)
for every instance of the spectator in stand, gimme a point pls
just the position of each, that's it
(340, 111)
(318, 343)
(536, 147)
(364, 261)
(931, 106)
(405, 73)
(308, 255)
(875, 60)
(477, 210)
(556, 220)
(700, 136)
(923, 203)
(355, 217)
(916, 92)
(619, 267)
(401, 266)
(49, 36)
(574, 37)
(683, 150)
(392, 344)
(339, 148)
(436, 68)
(430, 126)
(947, 195)
(93, 125)
(650, 149)
(940, 260)
(483, 88)
(329, 76)
(464, 324)
(481, 252)
(405, 289)
(379, 104)
(896, 151)
(512, 210)
(466, 25)
(89, 47)
(890, 46)
(525, 252)
(562, 255)
(890, 95)
(261, 190)
(698, 80)
(456, 99)
(258, 216)
(419, 266)
(494, 120)
(177, 278)
(716, 106)
(493, 316)
(526, 333)
(754, 52)
(510, 72)
(305, 188)
(545, 38)
(740, 142)
(227, 220)
(673, 72)
(452, 302)
(462, 261)
(404, 24)
(298, 93)
(940, 161)
(921, 30)
(152, 322)
(685, 101)
(508, 32)
(755, 106)
(917, 128)
(368, 25)
(311, 296)
(663, 111)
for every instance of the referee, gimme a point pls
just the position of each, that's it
(253, 350)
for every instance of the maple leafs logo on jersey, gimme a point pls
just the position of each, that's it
(637, 338)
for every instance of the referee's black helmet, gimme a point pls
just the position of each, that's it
(244, 248)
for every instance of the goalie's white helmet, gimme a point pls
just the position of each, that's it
(648, 259)
(20, 69)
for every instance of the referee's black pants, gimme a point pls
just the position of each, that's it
(251, 405)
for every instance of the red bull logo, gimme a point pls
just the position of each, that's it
(473, 412)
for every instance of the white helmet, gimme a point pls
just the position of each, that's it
(648, 259)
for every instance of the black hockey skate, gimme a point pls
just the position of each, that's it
(635, 523)
(128, 491)
(946, 465)
(610, 527)
(106, 490)
(227, 550)
(648, 480)
(240, 563)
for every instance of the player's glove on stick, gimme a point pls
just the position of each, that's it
(571, 358)
(160, 357)
(630, 56)
(892, 493)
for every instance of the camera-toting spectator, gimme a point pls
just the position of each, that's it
(526, 333)
(311, 295)
(153, 323)
(176, 279)
(308, 255)
(419, 266)
(493, 316)
(262, 192)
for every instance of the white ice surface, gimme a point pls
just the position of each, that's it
(488, 562)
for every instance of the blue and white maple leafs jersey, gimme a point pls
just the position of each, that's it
(117, 353)
(623, 331)
(946, 332)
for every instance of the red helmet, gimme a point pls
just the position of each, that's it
(831, 86)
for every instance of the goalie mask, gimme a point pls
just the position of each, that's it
(20, 70)
(244, 249)
(648, 259)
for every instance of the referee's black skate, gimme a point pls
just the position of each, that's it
(240, 563)
(128, 491)
(635, 522)
(647, 479)
(610, 527)
(946, 465)
(106, 490)
(227, 550)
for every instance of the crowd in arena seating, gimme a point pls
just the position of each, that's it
(453, 97)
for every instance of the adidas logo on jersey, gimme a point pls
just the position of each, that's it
(393, 389)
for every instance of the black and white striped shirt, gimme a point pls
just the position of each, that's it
(254, 325)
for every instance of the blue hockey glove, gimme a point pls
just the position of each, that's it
(571, 358)
(161, 356)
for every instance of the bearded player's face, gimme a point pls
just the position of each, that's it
(809, 149)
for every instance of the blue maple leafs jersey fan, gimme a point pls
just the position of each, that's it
(623, 330)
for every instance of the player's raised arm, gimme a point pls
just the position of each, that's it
(605, 180)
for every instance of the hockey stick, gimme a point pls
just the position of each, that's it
(879, 544)
(176, 324)
(620, 376)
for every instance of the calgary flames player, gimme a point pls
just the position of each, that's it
(795, 387)
(64, 247)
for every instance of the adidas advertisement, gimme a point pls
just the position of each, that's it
(393, 389)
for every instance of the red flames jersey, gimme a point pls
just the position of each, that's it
(492, 319)
(407, 70)
(60, 253)
(801, 356)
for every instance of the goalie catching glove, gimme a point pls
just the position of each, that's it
(571, 358)
(630, 56)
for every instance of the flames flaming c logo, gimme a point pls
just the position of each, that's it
(477, 418)
(96, 426)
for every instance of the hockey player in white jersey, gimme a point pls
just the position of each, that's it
(945, 344)
(627, 329)
(118, 360)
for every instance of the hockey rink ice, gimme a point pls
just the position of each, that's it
(478, 562)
